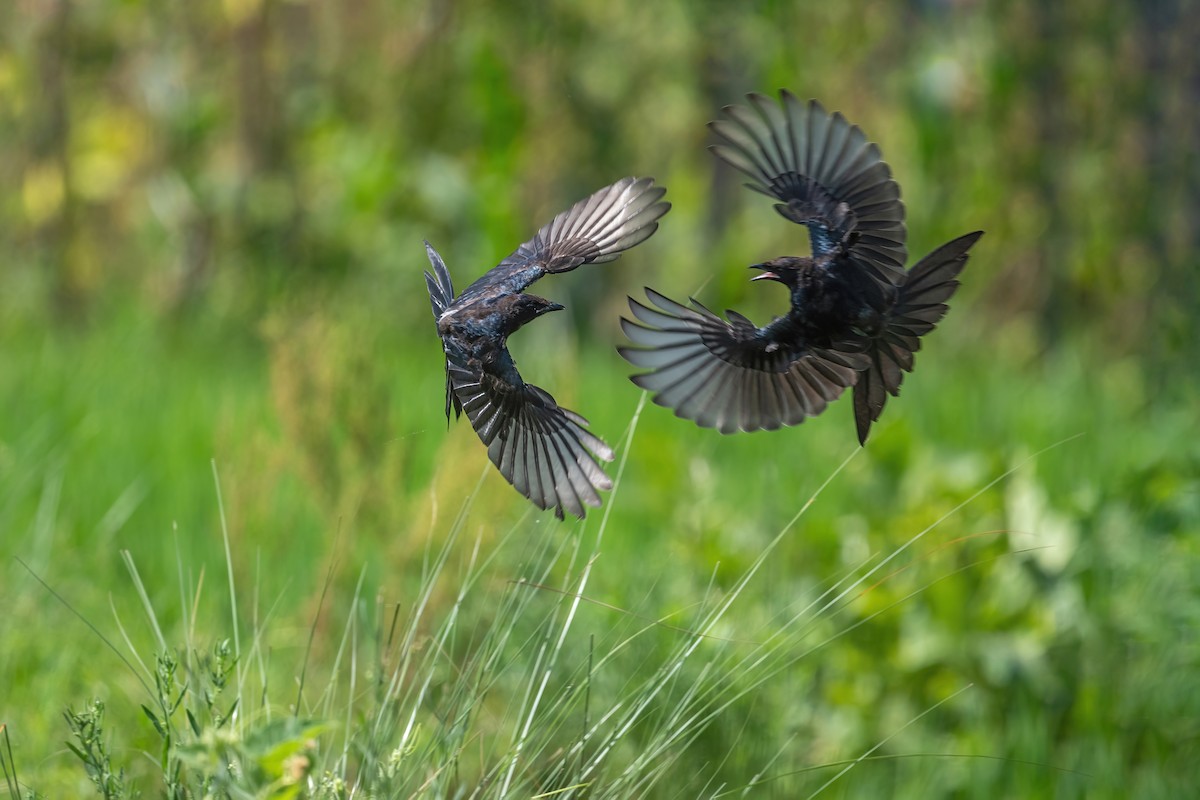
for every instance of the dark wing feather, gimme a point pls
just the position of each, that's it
(726, 375)
(544, 451)
(594, 230)
(827, 175)
(441, 295)
(441, 288)
(921, 304)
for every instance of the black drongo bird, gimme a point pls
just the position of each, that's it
(543, 450)
(856, 315)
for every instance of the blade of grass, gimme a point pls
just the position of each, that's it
(8, 765)
(887, 739)
(107, 642)
(233, 610)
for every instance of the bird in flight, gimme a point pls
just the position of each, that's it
(856, 315)
(543, 450)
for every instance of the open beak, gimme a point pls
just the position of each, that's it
(766, 275)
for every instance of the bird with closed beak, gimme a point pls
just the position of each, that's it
(545, 451)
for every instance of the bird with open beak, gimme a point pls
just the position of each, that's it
(856, 316)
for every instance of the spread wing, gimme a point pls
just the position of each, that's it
(921, 304)
(827, 176)
(594, 230)
(441, 295)
(544, 451)
(730, 375)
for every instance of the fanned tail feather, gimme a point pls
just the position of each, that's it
(920, 306)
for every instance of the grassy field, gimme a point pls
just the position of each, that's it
(231, 511)
(1040, 618)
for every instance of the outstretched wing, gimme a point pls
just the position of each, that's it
(827, 175)
(921, 304)
(544, 451)
(730, 375)
(441, 295)
(594, 230)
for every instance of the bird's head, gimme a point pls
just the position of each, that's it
(785, 270)
(522, 308)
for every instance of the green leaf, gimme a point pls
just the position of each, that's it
(192, 722)
(79, 753)
(157, 725)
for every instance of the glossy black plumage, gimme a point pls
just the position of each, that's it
(856, 316)
(543, 450)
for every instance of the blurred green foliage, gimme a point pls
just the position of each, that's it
(218, 152)
(211, 246)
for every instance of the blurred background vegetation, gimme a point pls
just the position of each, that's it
(211, 245)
